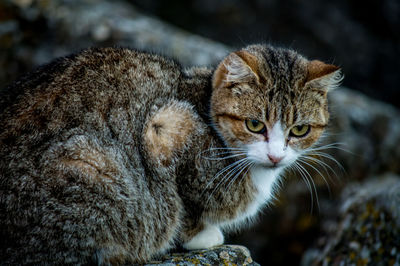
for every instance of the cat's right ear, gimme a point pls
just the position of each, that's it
(237, 67)
(324, 77)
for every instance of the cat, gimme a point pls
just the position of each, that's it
(113, 156)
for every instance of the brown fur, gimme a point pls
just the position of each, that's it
(317, 69)
(169, 130)
(277, 98)
(102, 153)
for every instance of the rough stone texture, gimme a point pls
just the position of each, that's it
(33, 32)
(367, 130)
(368, 230)
(220, 255)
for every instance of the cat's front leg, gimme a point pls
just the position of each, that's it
(210, 236)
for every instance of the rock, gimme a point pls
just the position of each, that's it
(35, 32)
(220, 255)
(368, 133)
(368, 229)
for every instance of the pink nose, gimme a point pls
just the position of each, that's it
(274, 159)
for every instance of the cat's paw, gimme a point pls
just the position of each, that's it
(210, 236)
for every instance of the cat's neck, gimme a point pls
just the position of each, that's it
(196, 88)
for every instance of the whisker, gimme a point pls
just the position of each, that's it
(330, 157)
(231, 167)
(313, 185)
(224, 158)
(307, 182)
(221, 172)
(324, 165)
(335, 145)
(321, 175)
(243, 167)
(223, 149)
(316, 161)
(226, 152)
(245, 174)
(230, 173)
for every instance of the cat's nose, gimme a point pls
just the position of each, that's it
(274, 159)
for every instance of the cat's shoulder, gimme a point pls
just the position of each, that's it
(170, 131)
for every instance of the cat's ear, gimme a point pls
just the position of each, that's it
(323, 76)
(237, 67)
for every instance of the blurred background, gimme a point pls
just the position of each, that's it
(362, 37)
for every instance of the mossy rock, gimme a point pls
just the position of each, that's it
(221, 255)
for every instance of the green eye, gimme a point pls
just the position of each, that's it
(300, 131)
(255, 126)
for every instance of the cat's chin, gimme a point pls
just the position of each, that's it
(269, 166)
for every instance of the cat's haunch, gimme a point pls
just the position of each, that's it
(115, 156)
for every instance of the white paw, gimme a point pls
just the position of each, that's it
(210, 236)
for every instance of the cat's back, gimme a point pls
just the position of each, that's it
(93, 89)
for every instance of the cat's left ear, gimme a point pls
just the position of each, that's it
(323, 76)
(237, 67)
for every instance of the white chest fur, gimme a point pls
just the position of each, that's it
(265, 180)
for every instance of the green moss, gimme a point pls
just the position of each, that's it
(195, 261)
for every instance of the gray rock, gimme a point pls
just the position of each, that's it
(220, 255)
(35, 32)
(367, 132)
(368, 228)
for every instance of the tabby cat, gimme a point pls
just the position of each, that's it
(113, 156)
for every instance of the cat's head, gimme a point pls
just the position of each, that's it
(271, 103)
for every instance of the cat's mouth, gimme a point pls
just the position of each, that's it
(272, 165)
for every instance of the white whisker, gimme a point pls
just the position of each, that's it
(316, 170)
(324, 165)
(224, 158)
(311, 182)
(335, 145)
(307, 182)
(328, 156)
(243, 167)
(231, 167)
(245, 174)
(230, 173)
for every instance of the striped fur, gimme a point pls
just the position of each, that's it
(113, 156)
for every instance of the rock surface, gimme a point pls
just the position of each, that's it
(220, 255)
(367, 130)
(34, 32)
(368, 229)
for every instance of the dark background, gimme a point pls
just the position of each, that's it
(362, 37)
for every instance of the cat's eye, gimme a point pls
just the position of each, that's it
(255, 126)
(300, 131)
